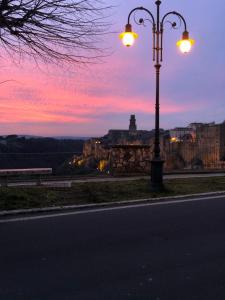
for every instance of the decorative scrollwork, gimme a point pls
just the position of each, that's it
(141, 21)
(174, 24)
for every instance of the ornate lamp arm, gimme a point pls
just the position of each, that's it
(141, 21)
(174, 24)
(178, 15)
(143, 9)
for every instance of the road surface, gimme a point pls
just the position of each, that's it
(168, 251)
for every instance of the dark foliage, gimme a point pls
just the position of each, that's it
(53, 30)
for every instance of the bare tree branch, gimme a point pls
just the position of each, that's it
(8, 80)
(53, 30)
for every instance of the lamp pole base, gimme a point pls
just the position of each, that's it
(157, 175)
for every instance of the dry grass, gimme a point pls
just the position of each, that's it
(83, 193)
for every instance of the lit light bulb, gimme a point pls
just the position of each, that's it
(185, 44)
(128, 37)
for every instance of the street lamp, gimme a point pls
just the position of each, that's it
(128, 38)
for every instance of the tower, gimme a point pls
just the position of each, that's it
(132, 126)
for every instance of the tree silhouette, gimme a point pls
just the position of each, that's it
(53, 30)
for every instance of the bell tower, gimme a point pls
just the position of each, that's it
(132, 126)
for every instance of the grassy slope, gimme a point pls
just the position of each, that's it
(82, 193)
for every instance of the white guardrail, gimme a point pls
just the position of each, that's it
(5, 173)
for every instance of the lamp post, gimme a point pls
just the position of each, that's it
(128, 37)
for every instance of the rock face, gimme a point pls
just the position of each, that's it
(130, 151)
(130, 159)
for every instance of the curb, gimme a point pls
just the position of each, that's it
(69, 181)
(5, 213)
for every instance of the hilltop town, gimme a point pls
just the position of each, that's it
(197, 146)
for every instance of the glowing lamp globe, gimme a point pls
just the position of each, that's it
(128, 37)
(185, 44)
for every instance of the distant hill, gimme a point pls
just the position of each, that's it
(27, 152)
(72, 138)
(27, 136)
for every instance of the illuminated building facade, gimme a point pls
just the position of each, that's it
(197, 146)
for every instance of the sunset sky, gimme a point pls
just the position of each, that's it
(52, 101)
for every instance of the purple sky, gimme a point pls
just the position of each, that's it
(88, 102)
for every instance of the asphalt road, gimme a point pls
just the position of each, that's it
(156, 252)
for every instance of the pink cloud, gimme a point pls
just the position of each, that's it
(83, 97)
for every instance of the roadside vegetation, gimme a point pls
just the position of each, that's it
(89, 192)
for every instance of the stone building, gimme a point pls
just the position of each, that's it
(121, 150)
(196, 146)
(179, 133)
(205, 150)
(211, 145)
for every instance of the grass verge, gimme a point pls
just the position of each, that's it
(90, 192)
